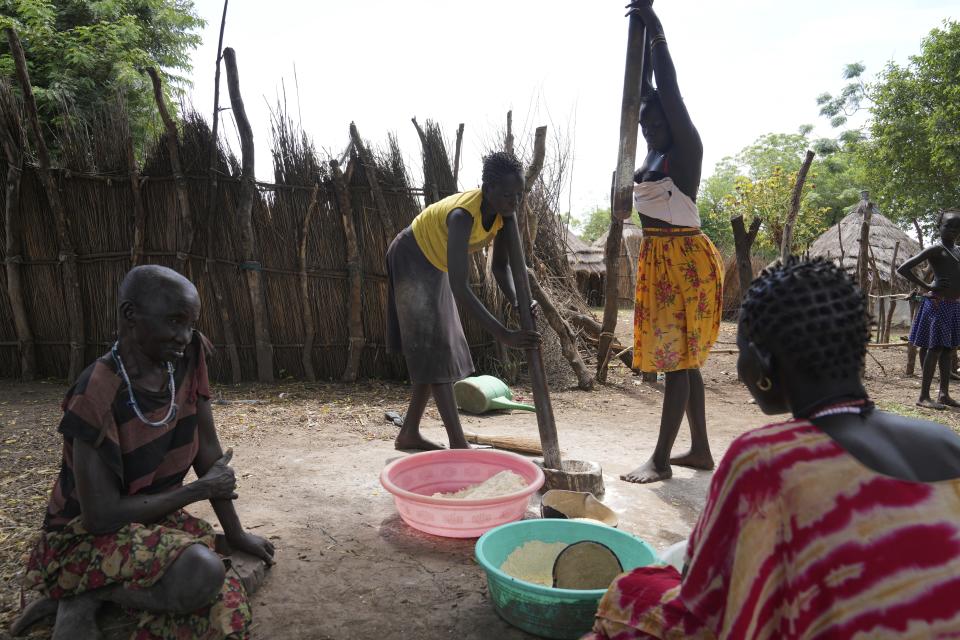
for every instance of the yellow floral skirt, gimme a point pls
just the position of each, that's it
(679, 300)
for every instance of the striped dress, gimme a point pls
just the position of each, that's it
(67, 560)
(800, 540)
(145, 459)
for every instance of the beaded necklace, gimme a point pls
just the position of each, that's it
(854, 407)
(171, 412)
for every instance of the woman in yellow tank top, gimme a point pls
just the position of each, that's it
(428, 271)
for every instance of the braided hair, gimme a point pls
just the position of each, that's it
(811, 313)
(499, 165)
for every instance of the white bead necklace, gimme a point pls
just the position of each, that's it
(171, 412)
(836, 411)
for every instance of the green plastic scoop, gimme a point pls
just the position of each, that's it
(480, 394)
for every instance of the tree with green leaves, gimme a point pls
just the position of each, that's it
(909, 149)
(759, 182)
(595, 223)
(82, 53)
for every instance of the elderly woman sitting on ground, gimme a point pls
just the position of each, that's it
(842, 522)
(133, 425)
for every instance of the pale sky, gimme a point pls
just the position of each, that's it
(746, 68)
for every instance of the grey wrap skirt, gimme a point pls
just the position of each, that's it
(422, 318)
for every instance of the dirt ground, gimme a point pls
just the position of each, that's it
(308, 457)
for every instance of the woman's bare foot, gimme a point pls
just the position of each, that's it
(34, 613)
(694, 460)
(417, 442)
(648, 472)
(945, 399)
(77, 618)
(927, 403)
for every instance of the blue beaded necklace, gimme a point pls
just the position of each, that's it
(171, 412)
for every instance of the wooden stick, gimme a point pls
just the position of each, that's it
(357, 340)
(216, 110)
(213, 194)
(508, 140)
(456, 157)
(21, 321)
(622, 197)
(530, 178)
(878, 283)
(871, 345)
(261, 320)
(787, 247)
(185, 227)
(863, 264)
(893, 301)
(518, 444)
(611, 291)
(431, 191)
(916, 227)
(139, 212)
(840, 243)
(309, 327)
(538, 377)
(370, 169)
(68, 257)
(568, 342)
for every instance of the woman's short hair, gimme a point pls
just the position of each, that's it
(809, 313)
(499, 165)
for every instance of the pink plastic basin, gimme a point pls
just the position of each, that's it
(414, 479)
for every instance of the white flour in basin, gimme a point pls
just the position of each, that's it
(502, 484)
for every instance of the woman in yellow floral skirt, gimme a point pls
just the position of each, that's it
(680, 275)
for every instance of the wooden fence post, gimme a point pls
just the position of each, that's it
(183, 200)
(532, 173)
(357, 340)
(21, 322)
(68, 257)
(139, 213)
(309, 326)
(893, 301)
(216, 284)
(248, 191)
(863, 258)
(370, 169)
(787, 247)
(456, 157)
(431, 187)
(622, 200)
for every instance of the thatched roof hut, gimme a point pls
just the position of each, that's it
(586, 262)
(629, 253)
(841, 242)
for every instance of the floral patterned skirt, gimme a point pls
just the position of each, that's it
(679, 300)
(71, 561)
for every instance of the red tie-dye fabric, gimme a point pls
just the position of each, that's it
(800, 540)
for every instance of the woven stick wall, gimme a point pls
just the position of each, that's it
(93, 175)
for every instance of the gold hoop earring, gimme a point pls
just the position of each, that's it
(764, 384)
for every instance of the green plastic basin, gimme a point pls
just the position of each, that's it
(545, 611)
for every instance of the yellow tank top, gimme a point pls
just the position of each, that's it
(430, 227)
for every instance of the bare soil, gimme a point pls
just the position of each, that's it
(308, 457)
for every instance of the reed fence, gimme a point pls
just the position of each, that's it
(322, 303)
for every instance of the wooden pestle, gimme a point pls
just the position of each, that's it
(538, 377)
